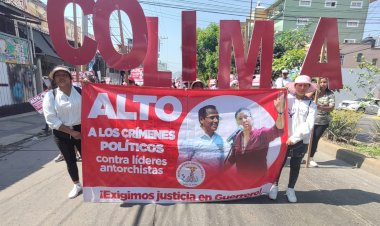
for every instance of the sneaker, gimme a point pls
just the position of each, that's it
(79, 159)
(77, 189)
(312, 163)
(59, 158)
(291, 194)
(273, 192)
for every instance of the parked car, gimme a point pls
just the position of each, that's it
(373, 107)
(358, 105)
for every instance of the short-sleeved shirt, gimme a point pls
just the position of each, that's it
(328, 99)
(206, 150)
(281, 82)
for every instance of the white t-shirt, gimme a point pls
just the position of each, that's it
(281, 82)
(302, 115)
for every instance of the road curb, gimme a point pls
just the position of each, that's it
(369, 164)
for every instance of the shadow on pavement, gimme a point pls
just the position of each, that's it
(19, 161)
(339, 197)
(351, 157)
(332, 164)
(139, 213)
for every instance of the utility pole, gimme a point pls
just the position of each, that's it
(84, 33)
(77, 67)
(159, 42)
(248, 29)
(121, 32)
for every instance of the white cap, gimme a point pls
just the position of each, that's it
(285, 72)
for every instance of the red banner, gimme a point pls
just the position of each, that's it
(147, 145)
(36, 102)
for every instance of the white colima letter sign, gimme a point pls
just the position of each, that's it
(102, 106)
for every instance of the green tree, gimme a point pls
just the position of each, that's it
(208, 52)
(366, 79)
(289, 49)
(290, 59)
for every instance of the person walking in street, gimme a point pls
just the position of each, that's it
(62, 111)
(283, 79)
(325, 104)
(301, 113)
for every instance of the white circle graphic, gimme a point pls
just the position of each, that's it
(190, 174)
(226, 106)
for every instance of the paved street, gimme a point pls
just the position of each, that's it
(33, 191)
(366, 125)
(19, 127)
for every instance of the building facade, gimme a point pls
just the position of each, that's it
(290, 14)
(351, 55)
(26, 53)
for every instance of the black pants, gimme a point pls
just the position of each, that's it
(317, 134)
(66, 145)
(295, 166)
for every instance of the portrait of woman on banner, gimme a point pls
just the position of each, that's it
(250, 145)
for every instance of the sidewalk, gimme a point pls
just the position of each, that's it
(20, 127)
(17, 128)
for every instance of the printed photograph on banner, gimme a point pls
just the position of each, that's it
(211, 135)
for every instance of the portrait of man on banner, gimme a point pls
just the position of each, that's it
(208, 148)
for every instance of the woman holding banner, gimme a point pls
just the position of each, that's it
(62, 111)
(250, 146)
(301, 112)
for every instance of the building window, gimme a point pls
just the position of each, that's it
(349, 41)
(352, 23)
(341, 59)
(374, 61)
(359, 57)
(302, 21)
(305, 3)
(330, 4)
(356, 4)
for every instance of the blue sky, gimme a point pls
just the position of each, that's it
(170, 21)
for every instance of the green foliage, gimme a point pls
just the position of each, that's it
(375, 129)
(291, 59)
(290, 39)
(208, 52)
(290, 49)
(368, 150)
(343, 126)
(366, 79)
(372, 149)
